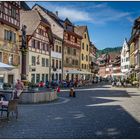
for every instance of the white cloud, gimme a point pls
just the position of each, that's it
(74, 15)
(95, 13)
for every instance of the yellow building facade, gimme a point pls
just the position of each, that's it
(85, 50)
(132, 58)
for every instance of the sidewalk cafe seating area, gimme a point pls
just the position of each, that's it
(8, 105)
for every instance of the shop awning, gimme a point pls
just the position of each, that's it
(85, 72)
(118, 74)
(76, 72)
(72, 72)
(4, 67)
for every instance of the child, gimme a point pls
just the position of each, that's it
(72, 93)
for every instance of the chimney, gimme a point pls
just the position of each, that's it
(56, 13)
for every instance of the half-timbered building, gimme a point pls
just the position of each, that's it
(71, 51)
(56, 51)
(39, 41)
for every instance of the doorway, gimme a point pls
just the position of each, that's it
(11, 79)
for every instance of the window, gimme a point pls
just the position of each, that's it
(76, 62)
(47, 47)
(52, 76)
(13, 37)
(85, 36)
(33, 43)
(82, 66)
(67, 60)
(43, 46)
(46, 77)
(72, 61)
(127, 59)
(87, 47)
(59, 76)
(9, 36)
(68, 50)
(59, 64)
(52, 63)
(56, 48)
(82, 56)
(86, 58)
(56, 76)
(33, 78)
(13, 12)
(40, 31)
(37, 78)
(43, 62)
(83, 46)
(38, 45)
(74, 52)
(68, 37)
(47, 62)
(60, 49)
(43, 77)
(75, 40)
(33, 60)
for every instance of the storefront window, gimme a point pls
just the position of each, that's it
(37, 78)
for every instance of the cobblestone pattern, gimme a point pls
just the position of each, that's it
(75, 119)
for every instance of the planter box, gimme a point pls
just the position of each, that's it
(38, 97)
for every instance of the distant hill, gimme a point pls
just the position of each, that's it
(108, 50)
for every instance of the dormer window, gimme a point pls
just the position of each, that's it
(85, 36)
(68, 37)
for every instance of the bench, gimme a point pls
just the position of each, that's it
(11, 107)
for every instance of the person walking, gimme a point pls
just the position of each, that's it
(18, 89)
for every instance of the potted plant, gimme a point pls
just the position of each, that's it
(33, 86)
(6, 86)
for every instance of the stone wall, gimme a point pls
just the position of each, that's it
(41, 97)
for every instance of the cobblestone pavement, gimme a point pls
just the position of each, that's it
(99, 112)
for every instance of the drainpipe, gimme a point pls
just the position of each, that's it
(50, 63)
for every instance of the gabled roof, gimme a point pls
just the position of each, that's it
(24, 6)
(81, 30)
(44, 19)
(51, 14)
(125, 47)
(68, 22)
(31, 19)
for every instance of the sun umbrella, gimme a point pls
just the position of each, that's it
(4, 67)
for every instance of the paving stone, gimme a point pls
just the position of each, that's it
(113, 113)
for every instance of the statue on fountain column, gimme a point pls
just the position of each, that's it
(23, 37)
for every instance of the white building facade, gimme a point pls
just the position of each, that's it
(56, 51)
(125, 59)
(56, 59)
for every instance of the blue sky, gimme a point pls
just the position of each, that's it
(108, 22)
